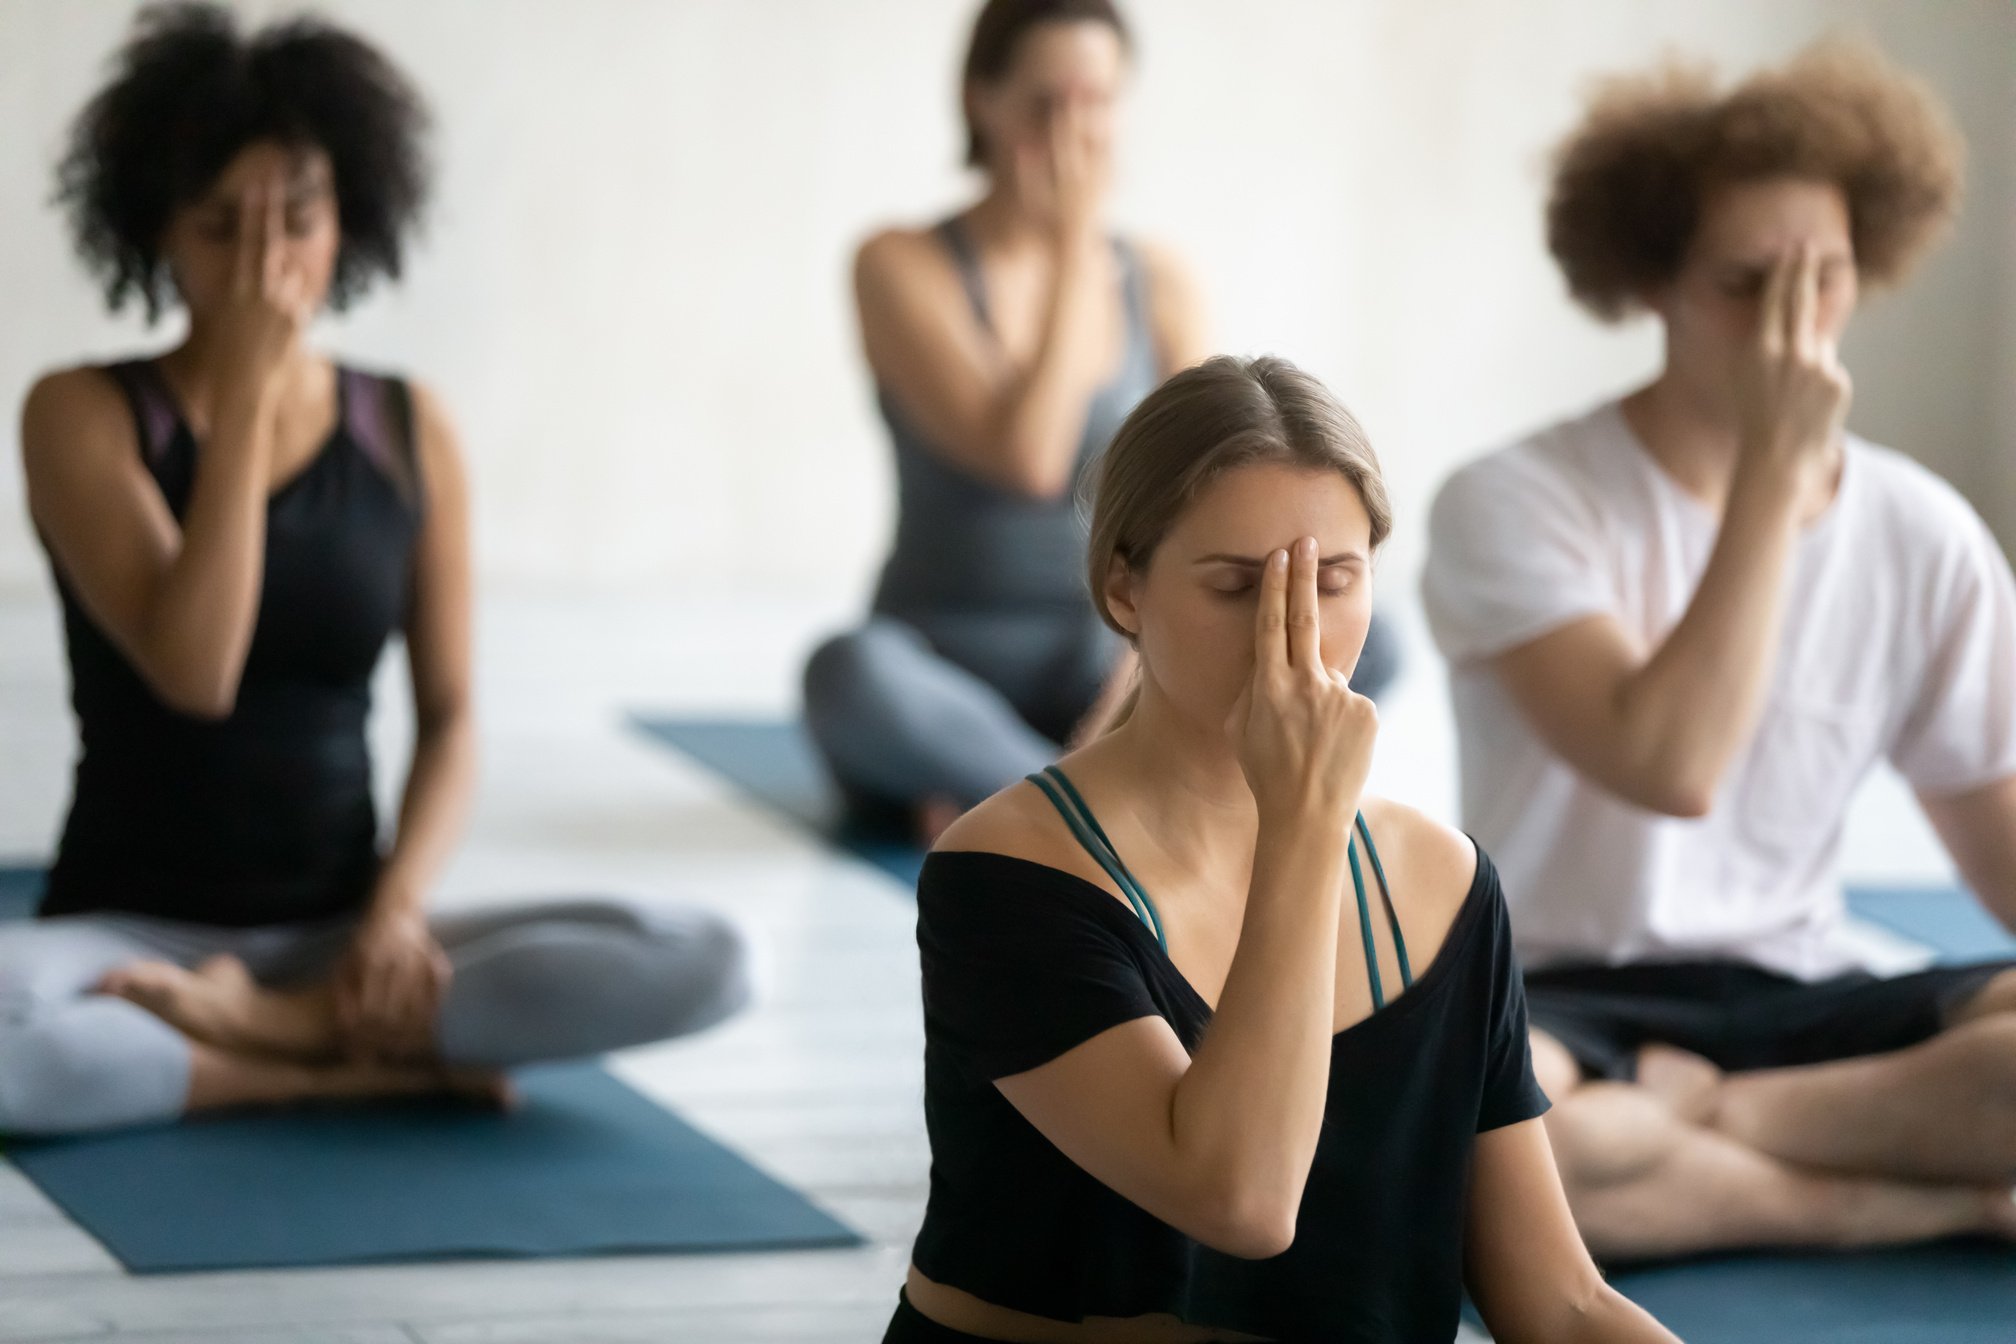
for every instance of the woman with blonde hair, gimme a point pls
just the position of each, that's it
(1183, 1081)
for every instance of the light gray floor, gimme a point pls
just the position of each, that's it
(819, 1085)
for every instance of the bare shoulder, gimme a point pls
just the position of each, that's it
(899, 256)
(1431, 863)
(433, 427)
(1175, 305)
(83, 397)
(1164, 264)
(73, 420)
(1022, 824)
(1016, 821)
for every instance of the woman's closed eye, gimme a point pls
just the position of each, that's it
(1328, 584)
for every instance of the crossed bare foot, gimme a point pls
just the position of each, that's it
(279, 1045)
(215, 1003)
(1688, 1084)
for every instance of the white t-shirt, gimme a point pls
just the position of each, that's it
(1899, 642)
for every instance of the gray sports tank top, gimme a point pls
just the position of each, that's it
(965, 545)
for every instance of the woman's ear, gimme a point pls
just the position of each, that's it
(1120, 586)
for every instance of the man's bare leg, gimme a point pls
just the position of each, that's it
(1647, 1178)
(1645, 1183)
(1941, 1111)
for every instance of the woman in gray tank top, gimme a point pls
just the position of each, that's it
(1007, 344)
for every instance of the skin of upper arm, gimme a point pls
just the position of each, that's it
(1567, 683)
(923, 345)
(90, 496)
(1525, 1262)
(1978, 829)
(1108, 1102)
(1175, 309)
(439, 618)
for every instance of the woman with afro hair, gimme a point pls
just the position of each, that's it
(1683, 627)
(236, 526)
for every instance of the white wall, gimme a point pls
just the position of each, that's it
(633, 296)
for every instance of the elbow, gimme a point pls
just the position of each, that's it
(209, 699)
(1249, 1227)
(1027, 469)
(206, 694)
(1680, 798)
(1684, 794)
(1040, 484)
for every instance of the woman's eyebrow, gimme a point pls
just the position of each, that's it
(1256, 562)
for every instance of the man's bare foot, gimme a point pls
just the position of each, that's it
(934, 816)
(2001, 1217)
(220, 1004)
(1688, 1084)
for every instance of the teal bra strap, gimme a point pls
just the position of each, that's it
(1365, 929)
(1071, 806)
(1386, 895)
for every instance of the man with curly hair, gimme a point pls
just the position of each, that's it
(1682, 628)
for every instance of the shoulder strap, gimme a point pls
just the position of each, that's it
(1364, 915)
(377, 413)
(1134, 290)
(1070, 805)
(155, 417)
(967, 262)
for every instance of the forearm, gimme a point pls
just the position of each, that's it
(1247, 1112)
(1682, 717)
(198, 625)
(1609, 1318)
(1041, 413)
(439, 786)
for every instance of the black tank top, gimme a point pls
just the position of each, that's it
(265, 816)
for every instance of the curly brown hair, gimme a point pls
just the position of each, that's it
(1629, 182)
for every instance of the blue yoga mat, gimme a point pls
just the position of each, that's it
(775, 764)
(1946, 919)
(1957, 1293)
(20, 890)
(583, 1165)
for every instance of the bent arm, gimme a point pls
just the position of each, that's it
(1218, 1146)
(1019, 429)
(442, 777)
(1978, 829)
(180, 601)
(1660, 727)
(1526, 1265)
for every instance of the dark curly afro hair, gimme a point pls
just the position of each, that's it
(189, 92)
(1628, 183)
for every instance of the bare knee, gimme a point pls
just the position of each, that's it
(1554, 1067)
(1997, 996)
(713, 974)
(1606, 1134)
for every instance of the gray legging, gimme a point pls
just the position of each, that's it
(542, 982)
(958, 706)
(962, 706)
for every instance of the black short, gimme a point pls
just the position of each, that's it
(1741, 1017)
